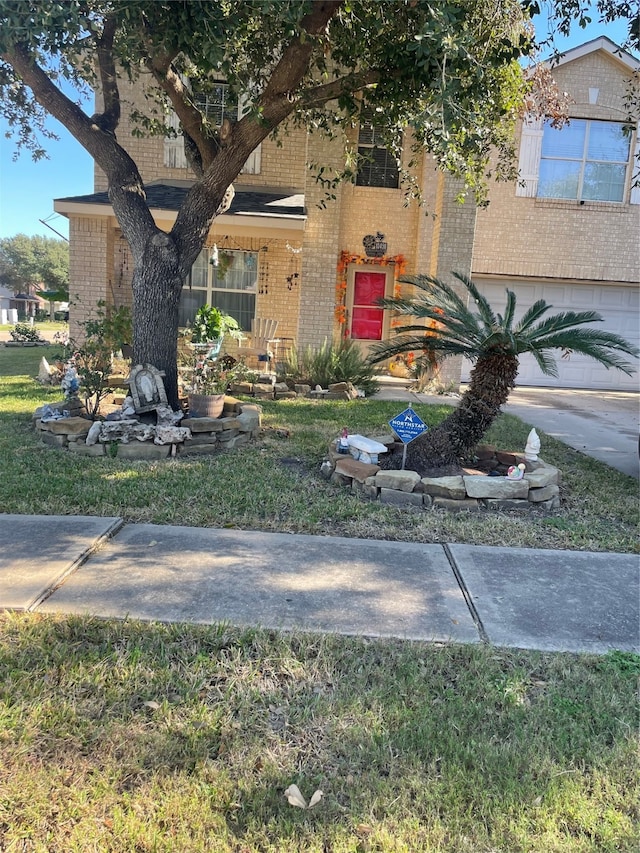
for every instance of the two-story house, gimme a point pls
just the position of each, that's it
(567, 232)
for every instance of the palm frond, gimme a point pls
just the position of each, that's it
(507, 321)
(545, 361)
(531, 315)
(485, 311)
(563, 320)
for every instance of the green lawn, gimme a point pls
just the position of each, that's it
(275, 484)
(122, 736)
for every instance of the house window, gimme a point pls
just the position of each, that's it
(230, 286)
(216, 104)
(377, 166)
(585, 160)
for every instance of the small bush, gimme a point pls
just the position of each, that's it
(24, 333)
(342, 362)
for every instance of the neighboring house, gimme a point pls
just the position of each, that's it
(568, 233)
(17, 306)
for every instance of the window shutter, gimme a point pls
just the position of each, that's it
(530, 151)
(254, 161)
(174, 156)
(635, 170)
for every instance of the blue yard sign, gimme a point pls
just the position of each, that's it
(407, 426)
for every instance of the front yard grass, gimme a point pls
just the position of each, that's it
(275, 485)
(121, 736)
(124, 736)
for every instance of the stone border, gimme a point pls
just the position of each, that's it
(238, 424)
(538, 489)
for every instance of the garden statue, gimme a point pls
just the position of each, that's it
(532, 448)
(343, 442)
(516, 472)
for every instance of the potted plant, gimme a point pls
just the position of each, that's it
(207, 383)
(210, 325)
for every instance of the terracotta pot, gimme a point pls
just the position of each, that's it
(206, 405)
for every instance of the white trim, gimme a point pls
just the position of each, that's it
(634, 195)
(530, 153)
(602, 43)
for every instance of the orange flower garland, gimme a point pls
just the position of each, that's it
(347, 258)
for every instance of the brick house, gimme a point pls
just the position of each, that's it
(568, 232)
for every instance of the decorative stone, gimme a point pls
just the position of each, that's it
(227, 434)
(202, 438)
(236, 441)
(265, 391)
(303, 390)
(553, 503)
(340, 480)
(544, 475)
(466, 505)
(166, 416)
(286, 395)
(166, 434)
(280, 387)
(402, 481)
(495, 487)
(427, 501)
(53, 440)
(203, 424)
(544, 494)
(326, 469)
(359, 471)
(126, 431)
(68, 426)
(147, 388)
(83, 449)
(142, 450)
(189, 449)
(491, 503)
(94, 433)
(400, 498)
(446, 487)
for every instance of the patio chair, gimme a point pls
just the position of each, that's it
(263, 336)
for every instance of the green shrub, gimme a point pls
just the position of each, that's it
(24, 333)
(342, 362)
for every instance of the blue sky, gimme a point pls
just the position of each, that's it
(27, 189)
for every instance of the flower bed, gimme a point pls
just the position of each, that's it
(135, 439)
(471, 490)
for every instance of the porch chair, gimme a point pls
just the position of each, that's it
(263, 336)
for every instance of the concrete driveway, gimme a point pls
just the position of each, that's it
(602, 424)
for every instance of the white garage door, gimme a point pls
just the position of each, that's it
(618, 307)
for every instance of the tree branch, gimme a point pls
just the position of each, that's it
(319, 95)
(110, 118)
(126, 190)
(191, 119)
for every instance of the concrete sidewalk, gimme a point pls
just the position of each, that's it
(550, 600)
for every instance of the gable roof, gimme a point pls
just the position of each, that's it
(602, 43)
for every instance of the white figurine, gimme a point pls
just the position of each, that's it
(533, 446)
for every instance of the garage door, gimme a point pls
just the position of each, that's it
(619, 308)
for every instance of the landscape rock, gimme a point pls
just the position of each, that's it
(495, 487)
(402, 481)
(445, 487)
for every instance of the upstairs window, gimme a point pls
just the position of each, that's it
(377, 167)
(216, 104)
(585, 160)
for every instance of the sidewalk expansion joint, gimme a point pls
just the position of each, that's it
(99, 543)
(467, 595)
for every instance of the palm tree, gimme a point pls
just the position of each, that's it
(493, 342)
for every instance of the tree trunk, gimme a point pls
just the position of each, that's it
(157, 284)
(492, 380)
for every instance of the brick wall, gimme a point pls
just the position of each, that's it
(549, 238)
(90, 268)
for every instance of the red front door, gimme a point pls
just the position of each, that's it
(366, 315)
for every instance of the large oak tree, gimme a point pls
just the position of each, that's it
(448, 70)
